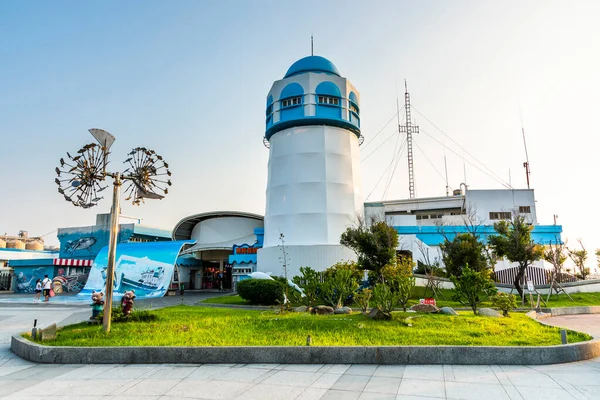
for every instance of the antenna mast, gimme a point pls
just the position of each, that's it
(409, 129)
(312, 48)
(526, 163)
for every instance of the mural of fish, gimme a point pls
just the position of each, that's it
(84, 243)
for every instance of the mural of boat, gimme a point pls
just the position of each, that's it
(150, 279)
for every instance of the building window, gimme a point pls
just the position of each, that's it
(500, 215)
(524, 209)
(353, 107)
(269, 110)
(329, 100)
(291, 101)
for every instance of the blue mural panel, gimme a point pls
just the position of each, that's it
(146, 268)
(27, 277)
(86, 242)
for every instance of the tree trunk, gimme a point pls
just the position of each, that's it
(518, 278)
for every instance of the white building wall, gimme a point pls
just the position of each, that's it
(486, 201)
(225, 231)
(313, 189)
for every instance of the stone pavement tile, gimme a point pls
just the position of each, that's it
(167, 372)
(293, 378)
(126, 372)
(85, 371)
(531, 377)
(512, 392)
(474, 373)
(419, 387)
(304, 367)
(17, 361)
(5, 372)
(208, 389)
(341, 395)
(265, 391)
(338, 368)
(500, 375)
(543, 393)
(429, 372)
(381, 384)
(475, 391)
(268, 373)
(326, 381)
(590, 392)
(266, 366)
(149, 387)
(361, 369)
(448, 373)
(83, 388)
(390, 371)
(312, 394)
(416, 397)
(243, 374)
(376, 396)
(8, 388)
(578, 378)
(41, 372)
(205, 372)
(351, 382)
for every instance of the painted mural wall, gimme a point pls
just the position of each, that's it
(86, 242)
(146, 268)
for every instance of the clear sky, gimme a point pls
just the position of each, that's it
(189, 79)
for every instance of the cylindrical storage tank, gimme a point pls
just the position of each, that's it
(2, 244)
(34, 245)
(15, 244)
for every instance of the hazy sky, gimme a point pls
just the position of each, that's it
(189, 79)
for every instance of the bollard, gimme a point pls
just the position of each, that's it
(308, 340)
(34, 330)
(563, 336)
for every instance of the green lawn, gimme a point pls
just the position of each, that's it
(203, 326)
(580, 299)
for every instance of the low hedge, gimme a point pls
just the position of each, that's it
(261, 291)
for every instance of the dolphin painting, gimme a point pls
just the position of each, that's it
(81, 244)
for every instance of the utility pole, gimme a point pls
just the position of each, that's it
(409, 129)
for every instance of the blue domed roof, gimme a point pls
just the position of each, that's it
(312, 64)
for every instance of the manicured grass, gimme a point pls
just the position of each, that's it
(580, 299)
(236, 300)
(203, 326)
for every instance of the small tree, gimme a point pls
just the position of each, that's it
(385, 299)
(504, 302)
(579, 257)
(471, 288)
(399, 278)
(375, 245)
(464, 249)
(338, 287)
(598, 257)
(513, 242)
(310, 283)
(362, 298)
(556, 254)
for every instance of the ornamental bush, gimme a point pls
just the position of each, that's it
(385, 299)
(472, 288)
(261, 291)
(505, 302)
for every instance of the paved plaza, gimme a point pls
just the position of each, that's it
(21, 379)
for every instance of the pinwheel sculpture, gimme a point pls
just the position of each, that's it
(81, 179)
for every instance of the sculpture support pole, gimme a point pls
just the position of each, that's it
(112, 249)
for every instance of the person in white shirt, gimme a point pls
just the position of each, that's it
(38, 290)
(47, 285)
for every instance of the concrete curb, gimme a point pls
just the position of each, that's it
(572, 310)
(465, 355)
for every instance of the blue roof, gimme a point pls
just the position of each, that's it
(312, 64)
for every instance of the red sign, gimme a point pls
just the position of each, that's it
(246, 250)
(427, 301)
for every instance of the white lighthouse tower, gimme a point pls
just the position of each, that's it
(314, 187)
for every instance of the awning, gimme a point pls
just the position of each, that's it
(71, 262)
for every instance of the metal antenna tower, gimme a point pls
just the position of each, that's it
(409, 129)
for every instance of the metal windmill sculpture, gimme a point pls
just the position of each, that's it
(81, 180)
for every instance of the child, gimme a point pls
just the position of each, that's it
(38, 289)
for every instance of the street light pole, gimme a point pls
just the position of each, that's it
(112, 249)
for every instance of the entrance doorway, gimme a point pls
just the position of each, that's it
(215, 278)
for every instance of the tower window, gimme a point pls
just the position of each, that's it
(291, 101)
(269, 110)
(524, 209)
(353, 107)
(329, 100)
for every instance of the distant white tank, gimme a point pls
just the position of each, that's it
(15, 244)
(37, 245)
(2, 244)
(314, 184)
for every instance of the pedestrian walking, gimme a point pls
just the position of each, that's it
(38, 289)
(47, 285)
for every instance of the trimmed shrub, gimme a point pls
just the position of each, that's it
(261, 291)
(505, 302)
(135, 316)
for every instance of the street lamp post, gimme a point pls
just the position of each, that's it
(80, 181)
